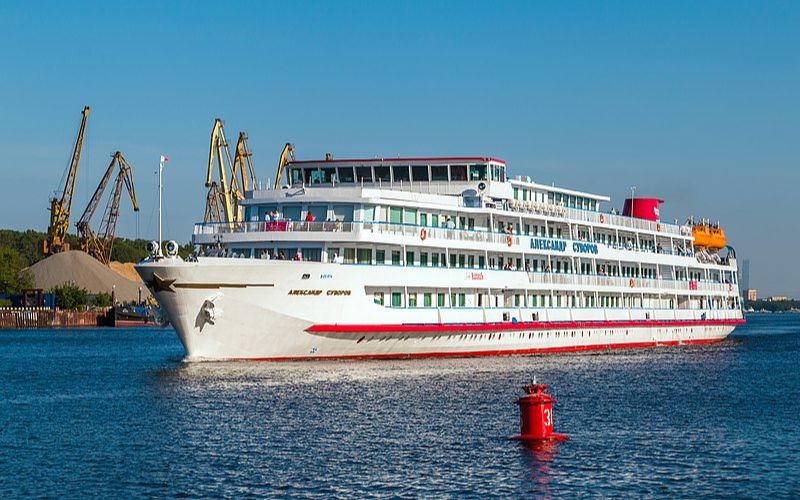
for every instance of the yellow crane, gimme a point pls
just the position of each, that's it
(100, 244)
(235, 177)
(287, 155)
(219, 155)
(214, 202)
(60, 206)
(242, 159)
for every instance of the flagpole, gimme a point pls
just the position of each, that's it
(160, 237)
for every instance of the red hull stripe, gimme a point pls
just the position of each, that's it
(495, 352)
(507, 326)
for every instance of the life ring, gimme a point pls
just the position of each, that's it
(730, 287)
(658, 227)
(602, 218)
(508, 240)
(423, 234)
(632, 283)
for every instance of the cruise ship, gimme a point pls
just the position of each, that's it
(436, 257)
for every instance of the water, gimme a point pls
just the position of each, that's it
(102, 412)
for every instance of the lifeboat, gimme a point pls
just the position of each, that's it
(708, 236)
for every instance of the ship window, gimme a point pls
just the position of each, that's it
(435, 260)
(346, 174)
(380, 256)
(333, 253)
(328, 174)
(462, 299)
(420, 173)
(400, 173)
(311, 254)
(292, 212)
(423, 219)
(379, 298)
(440, 299)
(397, 301)
(481, 261)
(297, 176)
(410, 258)
(458, 172)
(412, 300)
(395, 258)
(427, 300)
(516, 193)
(382, 174)
(409, 216)
(364, 256)
(349, 255)
(434, 220)
(477, 172)
(395, 215)
(439, 173)
(364, 174)
(343, 213)
(423, 259)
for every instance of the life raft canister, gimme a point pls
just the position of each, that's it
(423, 234)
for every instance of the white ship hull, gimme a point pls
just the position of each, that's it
(284, 310)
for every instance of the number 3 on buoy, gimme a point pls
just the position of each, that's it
(548, 418)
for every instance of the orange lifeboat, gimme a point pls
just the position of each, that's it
(708, 236)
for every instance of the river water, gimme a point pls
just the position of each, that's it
(100, 413)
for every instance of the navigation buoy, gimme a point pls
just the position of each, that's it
(536, 415)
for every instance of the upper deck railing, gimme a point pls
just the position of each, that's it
(408, 230)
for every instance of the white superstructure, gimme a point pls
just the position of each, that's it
(438, 257)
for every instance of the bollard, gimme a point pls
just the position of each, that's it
(536, 415)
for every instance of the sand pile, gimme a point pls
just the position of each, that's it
(125, 269)
(85, 271)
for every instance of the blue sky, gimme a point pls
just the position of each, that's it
(695, 102)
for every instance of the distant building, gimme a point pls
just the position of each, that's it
(751, 294)
(778, 298)
(744, 276)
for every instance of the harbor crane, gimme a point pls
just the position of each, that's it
(235, 177)
(287, 155)
(60, 206)
(100, 244)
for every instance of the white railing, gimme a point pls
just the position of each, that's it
(631, 283)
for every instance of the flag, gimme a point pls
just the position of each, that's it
(164, 159)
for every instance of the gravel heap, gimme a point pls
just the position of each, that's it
(85, 271)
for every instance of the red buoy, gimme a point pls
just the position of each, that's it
(536, 415)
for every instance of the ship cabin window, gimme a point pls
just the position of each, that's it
(296, 176)
(439, 173)
(345, 175)
(477, 173)
(382, 174)
(400, 173)
(458, 173)
(420, 173)
(363, 174)
(397, 300)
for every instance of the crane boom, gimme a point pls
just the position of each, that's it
(60, 207)
(244, 157)
(219, 154)
(287, 155)
(100, 244)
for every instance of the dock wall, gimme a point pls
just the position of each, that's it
(33, 317)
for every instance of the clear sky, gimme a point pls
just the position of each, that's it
(694, 102)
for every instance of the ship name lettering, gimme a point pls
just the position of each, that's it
(305, 292)
(584, 247)
(548, 244)
(338, 292)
